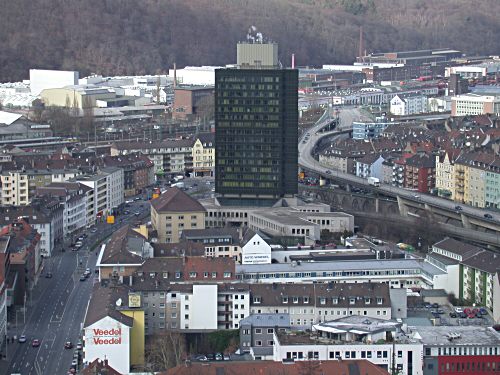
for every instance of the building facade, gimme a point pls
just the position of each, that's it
(256, 121)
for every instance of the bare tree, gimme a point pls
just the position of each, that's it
(165, 351)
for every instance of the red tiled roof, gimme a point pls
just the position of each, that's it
(175, 200)
(344, 367)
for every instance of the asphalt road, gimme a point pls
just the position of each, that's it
(56, 313)
(348, 115)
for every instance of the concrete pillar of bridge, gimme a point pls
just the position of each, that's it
(403, 209)
(465, 221)
(377, 202)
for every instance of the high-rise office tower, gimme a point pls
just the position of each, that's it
(256, 125)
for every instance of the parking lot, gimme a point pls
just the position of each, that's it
(445, 315)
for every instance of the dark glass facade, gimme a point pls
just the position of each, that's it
(256, 125)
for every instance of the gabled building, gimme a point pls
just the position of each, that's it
(123, 254)
(369, 166)
(173, 212)
(23, 247)
(408, 104)
(420, 172)
(204, 155)
(114, 328)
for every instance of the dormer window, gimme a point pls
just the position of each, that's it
(379, 300)
(352, 300)
(151, 274)
(295, 299)
(322, 301)
(306, 299)
(177, 275)
(285, 299)
(192, 275)
(367, 300)
(335, 300)
(165, 275)
(257, 299)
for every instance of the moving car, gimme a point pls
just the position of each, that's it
(488, 216)
(83, 278)
(21, 339)
(48, 275)
(35, 343)
(458, 208)
(68, 345)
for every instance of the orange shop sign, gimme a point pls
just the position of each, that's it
(107, 336)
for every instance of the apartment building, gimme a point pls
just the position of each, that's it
(477, 177)
(72, 198)
(19, 186)
(173, 212)
(471, 272)
(408, 104)
(169, 156)
(204, 155)
(445, 174)
(257, 330)
(43, 215)
(475, 104)
(420, 172)
(369, 166)
(218, 242)
(308, 304)
(123, 254)
(107, 191)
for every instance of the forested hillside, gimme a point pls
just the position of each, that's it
(147, 36)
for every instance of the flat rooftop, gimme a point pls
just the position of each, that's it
(469, 335)
(348, 266)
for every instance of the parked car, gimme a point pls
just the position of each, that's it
(440, 311)
(201, 357)
(488, 216)
(68, 345)
(219, 357)
(483, 311)
(453, 315)
(48, 275)
(227, 357)
(435, 305)
(83, 278)
(463, 315)
(458, 309)
(210, 357)
(458, 208)
(427, 305)
(93, 230)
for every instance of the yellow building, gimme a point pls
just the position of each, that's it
(76, 96)
(204, 155)
(173, 212)
(461, 182)
(135, 310)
